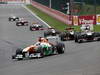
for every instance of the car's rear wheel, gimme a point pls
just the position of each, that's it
(76, 38)
(97, 35)
(60, 48)
(63, 37)
(45, 34)
(98, 39)
(80, 41)
(31, 28)
(17, 19)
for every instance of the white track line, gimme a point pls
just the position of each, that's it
(36, 16)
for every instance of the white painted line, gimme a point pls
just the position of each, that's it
(36, 16)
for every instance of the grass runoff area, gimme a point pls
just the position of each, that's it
(54, 22)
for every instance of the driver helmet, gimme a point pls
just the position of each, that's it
(53, 31)
(39, 39)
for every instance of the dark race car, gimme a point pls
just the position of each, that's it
(22, 22)
(39, 50)
(35, 27)
(68, 34)
(87, 36)
(51, 32)
(13, 18)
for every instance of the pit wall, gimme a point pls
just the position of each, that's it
(68, 19)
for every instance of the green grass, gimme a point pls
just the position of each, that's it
(48, 19)
(89, 9)
(54, 22)
(97, 28)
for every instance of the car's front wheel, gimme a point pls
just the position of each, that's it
(41, 51)
(13, 56)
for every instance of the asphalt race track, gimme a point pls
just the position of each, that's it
(79, 59)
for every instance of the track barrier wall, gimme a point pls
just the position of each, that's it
(67, 19)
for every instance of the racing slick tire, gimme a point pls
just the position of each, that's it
(13, 56)
(41, 51)
(60, 48)
(17, 24)
(10, 19)
(97, 35)
(54, 50)
(63, 36)
(18, 51)
(45, 34)
(78, 39)
(31, 28)
(17, 19)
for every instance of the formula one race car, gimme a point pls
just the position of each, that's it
(87, 36)
(67, 35)
(47, 46)
(13, 18)
(51, 32)
(22, 22)
(36, 26)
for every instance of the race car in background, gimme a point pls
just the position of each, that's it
(36, 26)
(68, 34)
(87, 35)
(22, 22)
(51, 32)
(13, 18)
(51, 46)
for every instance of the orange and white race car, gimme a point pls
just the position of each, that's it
(43, 47)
